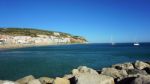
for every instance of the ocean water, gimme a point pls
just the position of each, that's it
(55, 61)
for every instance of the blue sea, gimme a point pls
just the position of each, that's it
(53, 61)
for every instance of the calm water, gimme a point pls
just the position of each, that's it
(59, 60)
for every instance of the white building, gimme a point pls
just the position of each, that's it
(21, 39)
(56, 34)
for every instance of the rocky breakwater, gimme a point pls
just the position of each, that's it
(126, 73)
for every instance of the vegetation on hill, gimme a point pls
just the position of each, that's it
(34, 32)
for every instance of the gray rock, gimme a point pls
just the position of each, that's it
(61, 81)
(68, 76)
(8, 82)
(136, 71)
(25, 80)
(83, 69)
(114, 72)
(85, 75)
(1, 81)
(141, 65)
(142, 79)
(46, 80)
(125, 66)
(35, 81)
(87, 78)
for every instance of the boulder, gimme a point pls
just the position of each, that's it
(114, 72)
(1, 81)
(142, 79)
(87, 78)
(83, 69)
(141, 65)
(136, 71)
(61, 81)
(85, 75)
(46, 80)
(25, 80)
(69, 76)
(8, 82)
(125, 66)
(35, 81)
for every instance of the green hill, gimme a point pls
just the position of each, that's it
(34, 32)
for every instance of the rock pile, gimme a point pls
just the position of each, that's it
(127, 73)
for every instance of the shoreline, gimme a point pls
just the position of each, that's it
(17, 46)
(126, 73)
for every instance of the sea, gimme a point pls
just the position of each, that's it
(58, 60)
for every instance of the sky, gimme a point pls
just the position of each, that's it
(96, 20)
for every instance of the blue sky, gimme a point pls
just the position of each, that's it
(96, 20)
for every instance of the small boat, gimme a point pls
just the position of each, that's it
(136, 44)
(112, 42)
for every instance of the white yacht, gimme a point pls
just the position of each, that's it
(136, 44)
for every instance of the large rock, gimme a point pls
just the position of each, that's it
(87, 78)
(8, 82)
(25, 80)
(69, 76)
(85, 75)
(83, 69)
(141, 65)
(136, 71)
(46, 80)
(61, 81)
(114, 72)
(1, 81)
(125, 66)
(142, 79)
(35, 81)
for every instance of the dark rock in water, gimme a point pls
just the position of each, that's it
(136, 71)
(142, 79)
(127, 80)
(147, 69)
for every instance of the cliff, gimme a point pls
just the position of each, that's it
(56, 37)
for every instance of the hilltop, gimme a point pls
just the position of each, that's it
(35, 32)
(28, 37)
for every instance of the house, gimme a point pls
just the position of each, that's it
(56, 34)
(21, 39)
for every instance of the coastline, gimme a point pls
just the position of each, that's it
(127, 73)
(17, 46)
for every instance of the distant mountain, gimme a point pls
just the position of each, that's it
(35, 32)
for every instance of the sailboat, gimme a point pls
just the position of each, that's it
(112, 43)
(136, 43)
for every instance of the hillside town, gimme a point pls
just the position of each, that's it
(56, 38)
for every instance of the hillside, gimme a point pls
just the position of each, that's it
(35, 32)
